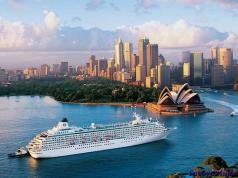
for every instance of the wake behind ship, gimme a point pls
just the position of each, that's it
(63, 140)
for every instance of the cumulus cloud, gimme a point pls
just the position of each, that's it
(50, 35)
(52, 21)
(232, 4)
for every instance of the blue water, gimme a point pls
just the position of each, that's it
(195, 138)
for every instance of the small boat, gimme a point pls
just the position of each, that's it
(19, 153)
(234, 113)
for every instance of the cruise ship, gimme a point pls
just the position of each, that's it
(63, 140)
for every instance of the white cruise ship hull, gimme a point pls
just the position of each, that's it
(98, 146)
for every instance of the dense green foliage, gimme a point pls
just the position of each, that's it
(91, 90)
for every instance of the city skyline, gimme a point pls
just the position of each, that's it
(56, 31)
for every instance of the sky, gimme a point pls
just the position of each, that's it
(33, 32)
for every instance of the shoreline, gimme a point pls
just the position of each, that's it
(109, 104)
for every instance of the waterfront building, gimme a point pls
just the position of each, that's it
(140, 73)
(163, 75)
(56, 69)
(226, 60)
(154, 73)
(64, 68)
(134, 62)
(217, 75)
(119, 55)
(31, 72)
(44, 70)
(180, 101)
(186, 56)
(152, 57)
(128, 51)
(142, 51)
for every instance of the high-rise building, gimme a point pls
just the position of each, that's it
(111, 69)
(119, 55)
(140, 73)
(161, 59)
(142, 51)
(64, 68)
(186, 56)
(235, 73)
(215, 54)
(149, 81)
(196, 68)
(186, 70)
(134, 62)
(226, 60)
(152, 57)
(128, 51)
(45, 70)
(163, 75)
(56, 69)
(92, 63)
(3, 75)
(217, 75)
(102, 64)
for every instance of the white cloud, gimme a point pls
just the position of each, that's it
(51, 36)
(52, 21)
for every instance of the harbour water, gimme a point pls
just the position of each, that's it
(195, 138)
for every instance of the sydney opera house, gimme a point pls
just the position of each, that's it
(183, 101)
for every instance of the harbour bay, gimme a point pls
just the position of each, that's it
(195, 138)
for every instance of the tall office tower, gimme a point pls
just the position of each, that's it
(64, 68)
(92, 63)
(95, 71)
(71, 70)
(163, 75)
(186, 55)
(152, 57)
(102, 64)
(128, 51)
(142, 51)
(154, 73)
(110, 69)
(161, 59)
(226, 60)
(140, 73)
(119, 55)
(56, 69)
(217, 75)
(134, 62)
(196, 68)
(44, 70)
(215, 54)
(235, 73)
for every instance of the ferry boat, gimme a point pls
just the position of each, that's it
(63, 140)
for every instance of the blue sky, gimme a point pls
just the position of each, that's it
(68, 25)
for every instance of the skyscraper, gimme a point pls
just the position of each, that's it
(215, 54)
(128, 51)
(134, 62)
(152, 57)
(226, 60)
(186, 55)
(196, 68)
(163, 75)
(45, 70)
(217, 75)
(142, 51)
(119, 55)
(64, 68)
(92, 63)
(140, 73)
